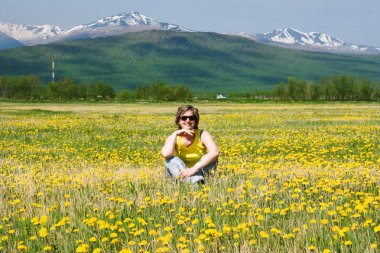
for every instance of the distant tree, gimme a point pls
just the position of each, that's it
(141, 92)
(64, 89)
(296, 88)
(281, 91)
(376, 92)
(309, 91)
(183, 93)
(366, 90)
(162, 92)
(124, 95)
(344, 86)
(104, 90)
(8, 87)
(86, 91)
(328, 90)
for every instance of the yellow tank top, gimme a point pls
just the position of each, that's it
(192, 154)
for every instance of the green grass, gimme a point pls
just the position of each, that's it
(291, 178)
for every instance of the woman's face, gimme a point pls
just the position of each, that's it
(187, 120)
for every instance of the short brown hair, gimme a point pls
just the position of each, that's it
(184, 108)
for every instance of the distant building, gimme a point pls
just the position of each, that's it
(220, 96)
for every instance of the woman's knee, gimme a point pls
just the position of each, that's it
(174, 160)
(173, 166)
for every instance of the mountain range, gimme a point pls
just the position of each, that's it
(205, 62)
(109, 26)
(12, 35)
(312, 41)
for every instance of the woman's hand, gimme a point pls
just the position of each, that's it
(182, 132)
(187, 173)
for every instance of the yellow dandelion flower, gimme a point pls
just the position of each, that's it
(82, 248)
(143, 243)
(114, 241)
(288, 236)
(22, 247)
(125, 251)
(48, 248)
(264, 234)
(43, 232)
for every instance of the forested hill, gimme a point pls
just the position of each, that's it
(202, 61)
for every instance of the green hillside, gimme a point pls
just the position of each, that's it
(202, 61)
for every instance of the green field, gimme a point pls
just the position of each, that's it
(90, 178)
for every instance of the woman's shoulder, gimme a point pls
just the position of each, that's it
(204, 134)
(203, 131)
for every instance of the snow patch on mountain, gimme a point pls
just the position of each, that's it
(29, 34)
(314, 41)
(121, 22)
(108, 26)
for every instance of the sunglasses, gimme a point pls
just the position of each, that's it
(184, 118)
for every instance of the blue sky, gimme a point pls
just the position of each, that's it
(349, 20)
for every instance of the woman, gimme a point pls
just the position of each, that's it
(190, 153)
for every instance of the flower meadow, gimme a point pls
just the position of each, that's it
(90, 178)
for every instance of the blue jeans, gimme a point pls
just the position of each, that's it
(174, 165)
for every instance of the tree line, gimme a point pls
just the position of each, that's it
(335, 88)
(30, 87)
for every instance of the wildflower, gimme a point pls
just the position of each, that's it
(43, 232)
(125, 251)
(82, 248)
(47, 248)
(114, 241)
(22, 247)
(288, 236)
(143, 243)
(264, 234)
